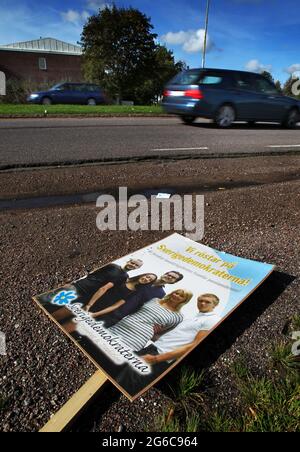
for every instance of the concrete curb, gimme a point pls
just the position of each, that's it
(152, 158)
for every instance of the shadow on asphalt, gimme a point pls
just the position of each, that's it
(206, 354)
(244, 126)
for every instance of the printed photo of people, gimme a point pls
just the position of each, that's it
(140, 315)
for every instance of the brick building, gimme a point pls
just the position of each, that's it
(42, 61)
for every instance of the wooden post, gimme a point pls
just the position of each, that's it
(67, 414)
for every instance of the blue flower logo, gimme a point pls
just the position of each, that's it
(64, 297)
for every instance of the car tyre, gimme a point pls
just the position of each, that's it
(225, 116)
(188, 119)
(46, 101)
(92, 102)
(291, 119)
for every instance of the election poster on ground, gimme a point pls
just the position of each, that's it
(139, 316)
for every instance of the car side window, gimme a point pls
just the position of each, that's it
(264, 86)
(77, 88)
(244, 82)
(229, 82)
(61, 87)
(211, 80)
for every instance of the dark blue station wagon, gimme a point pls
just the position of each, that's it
(69, 93)
(227, 96)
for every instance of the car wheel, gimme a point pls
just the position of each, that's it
(225, 116)
(188, 119)
(46, 101)
(91, 102)
(291, 120)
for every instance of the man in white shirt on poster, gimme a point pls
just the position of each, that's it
(172, 345)
(182, 339)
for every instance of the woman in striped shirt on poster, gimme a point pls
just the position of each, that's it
(156, 316)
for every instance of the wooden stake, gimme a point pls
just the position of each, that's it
(67, 414)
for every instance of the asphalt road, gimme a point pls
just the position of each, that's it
(47, 141)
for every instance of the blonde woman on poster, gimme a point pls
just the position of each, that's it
(136, 330)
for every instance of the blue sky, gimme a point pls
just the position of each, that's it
(243, 34)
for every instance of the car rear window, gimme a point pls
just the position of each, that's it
(186, 78)
(211, 80)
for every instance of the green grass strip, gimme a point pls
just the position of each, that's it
(29, 110)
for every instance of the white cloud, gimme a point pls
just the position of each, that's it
(257, 66)
(191, 41)
(23, 23)
(175, 38)
(85, 15)
(293, 70)
(95, 5)
(71, 16)
(77, 17)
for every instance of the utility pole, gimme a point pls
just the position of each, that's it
(205, 34)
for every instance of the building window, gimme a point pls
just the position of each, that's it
(42, 64)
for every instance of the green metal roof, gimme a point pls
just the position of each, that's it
(45, 45)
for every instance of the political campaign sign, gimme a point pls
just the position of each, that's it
(139, 316)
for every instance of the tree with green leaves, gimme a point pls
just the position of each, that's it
(119, 50)
(278, 86)
(268, 75)
(163, 69)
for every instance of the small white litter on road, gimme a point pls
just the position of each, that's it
(163, 196)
